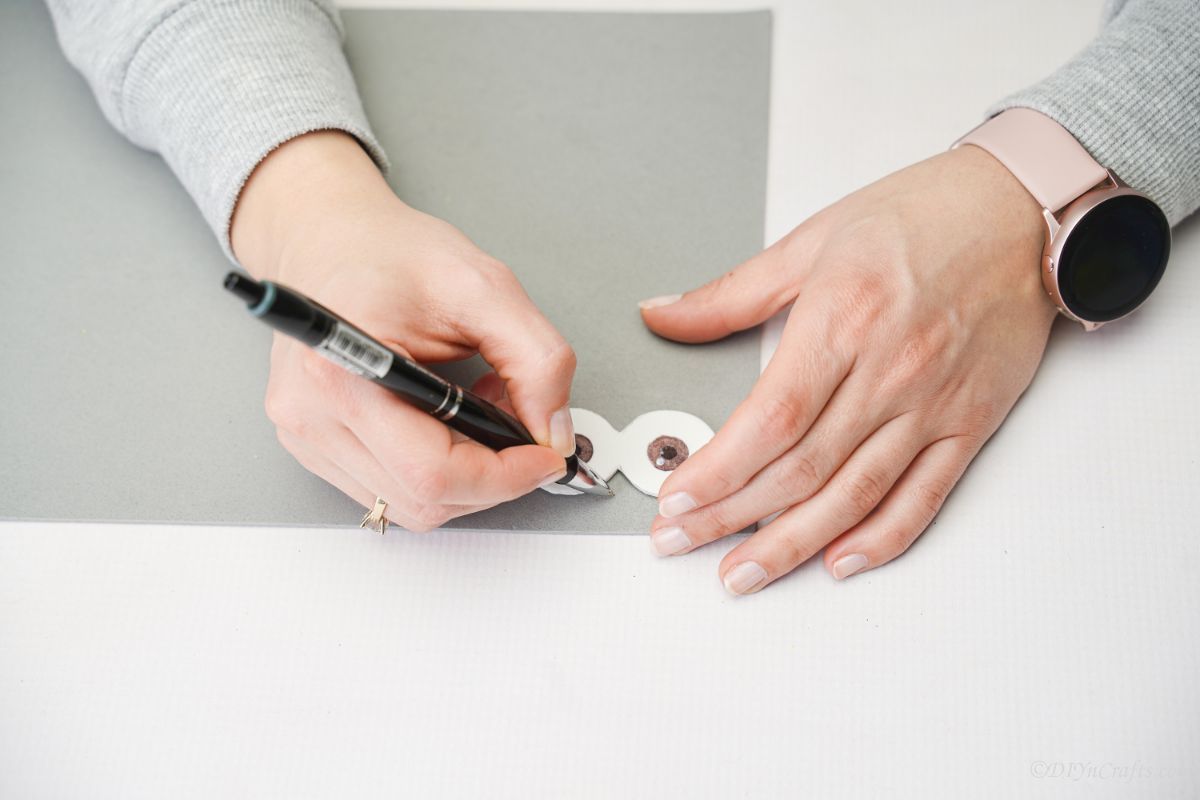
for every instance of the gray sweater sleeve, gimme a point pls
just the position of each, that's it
(1132, 98)
(215, 85)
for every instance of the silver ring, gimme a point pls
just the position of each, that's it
(374, 517)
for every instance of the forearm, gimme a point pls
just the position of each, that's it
(215, 85)
(1132, 98)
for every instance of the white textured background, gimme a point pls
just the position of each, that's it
(1049, 621)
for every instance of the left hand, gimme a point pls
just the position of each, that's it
(918, 319)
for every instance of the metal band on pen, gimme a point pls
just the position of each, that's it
(458, 398)
(445, 400)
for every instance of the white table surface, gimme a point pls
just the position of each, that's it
(1041, 640)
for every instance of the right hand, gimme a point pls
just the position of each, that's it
(317, 215)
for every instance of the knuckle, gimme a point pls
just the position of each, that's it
(713, 522)
(720, 482)
(895, 540)
(929, 496)
(560, 358)
(801, 475)
(780, 417)
(483, 275)
(862, 492)
(794, 549)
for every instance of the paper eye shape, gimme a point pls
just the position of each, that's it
(646, 452)
(598, 440)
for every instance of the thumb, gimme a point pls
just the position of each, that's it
(740, 299)
(534, 362)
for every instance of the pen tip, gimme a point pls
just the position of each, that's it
(591, 483)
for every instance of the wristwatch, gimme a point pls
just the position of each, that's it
(1106, 244)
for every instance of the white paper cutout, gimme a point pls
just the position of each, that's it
(647, 451)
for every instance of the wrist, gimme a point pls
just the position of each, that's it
(1008, 217)
(1003, 202)
(1108, 243)
(294, 195)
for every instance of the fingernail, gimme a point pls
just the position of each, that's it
(745, 578)
(675, 504)
(846, 566)
(655, 302)
(562, 432)
(554, 477)
(669, 541)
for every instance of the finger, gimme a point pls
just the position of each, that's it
(800, 532)
(795, 477)
(434, 467)
(491, 388)
(425, 460)
(906, 511)
(309, 410)
(531, 357)
(397, 510)
(788, 397)
(740, 299)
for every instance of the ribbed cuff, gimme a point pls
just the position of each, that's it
(219, 84)
(1132, 98)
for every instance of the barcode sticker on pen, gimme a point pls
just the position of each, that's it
(356, 352)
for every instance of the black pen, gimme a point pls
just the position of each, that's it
(290, 312)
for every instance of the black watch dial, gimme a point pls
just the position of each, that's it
(1114, 258)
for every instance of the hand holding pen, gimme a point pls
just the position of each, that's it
(357, 352)
(317, 215)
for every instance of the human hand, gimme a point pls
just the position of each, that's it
(317, 215)
(919, 317)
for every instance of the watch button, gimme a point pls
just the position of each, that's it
(1048, 263)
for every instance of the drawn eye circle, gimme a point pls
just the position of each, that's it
(667, 452)
(583, 447)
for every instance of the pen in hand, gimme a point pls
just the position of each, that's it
(290, 312)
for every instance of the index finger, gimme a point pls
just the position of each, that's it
(530, 355)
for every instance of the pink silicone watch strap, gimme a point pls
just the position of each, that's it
(1042, 154)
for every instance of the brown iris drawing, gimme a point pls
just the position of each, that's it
(583, 447)
(667, 453)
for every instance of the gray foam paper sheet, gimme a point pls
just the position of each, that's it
(605, 157)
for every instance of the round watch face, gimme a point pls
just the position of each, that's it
(1113, 257)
